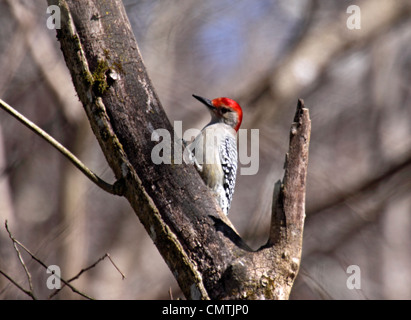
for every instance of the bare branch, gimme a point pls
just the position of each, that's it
(20, 257)
(113, 189)
(28, 292)
(86, 269)
(45, 266)
(115, 266)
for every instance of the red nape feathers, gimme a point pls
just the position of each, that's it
(231, 105)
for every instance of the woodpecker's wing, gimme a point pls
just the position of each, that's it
(228, 158)
(190, 157)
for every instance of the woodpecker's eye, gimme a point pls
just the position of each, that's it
(224, 110)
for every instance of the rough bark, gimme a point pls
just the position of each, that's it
(198, 243)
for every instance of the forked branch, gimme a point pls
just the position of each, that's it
(201, 248)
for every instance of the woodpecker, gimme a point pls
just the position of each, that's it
(214, 150)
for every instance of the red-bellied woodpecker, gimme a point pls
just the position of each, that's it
(215, 149)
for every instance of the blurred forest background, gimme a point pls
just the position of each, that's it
(264, 54)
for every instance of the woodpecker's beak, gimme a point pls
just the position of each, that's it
(207, 102)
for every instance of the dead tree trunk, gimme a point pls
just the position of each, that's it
(198, 243)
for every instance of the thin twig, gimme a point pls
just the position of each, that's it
(112, 262)
(86, 269)
(26, 270)
(40, 132)
(94, 264)
(28, 292)
(44, 265)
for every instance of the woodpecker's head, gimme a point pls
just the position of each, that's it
(224, 110)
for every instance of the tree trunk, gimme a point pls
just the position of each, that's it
(198, 243)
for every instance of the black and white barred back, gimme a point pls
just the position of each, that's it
(228, 158)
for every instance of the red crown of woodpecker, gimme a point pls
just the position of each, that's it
(225, 110)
